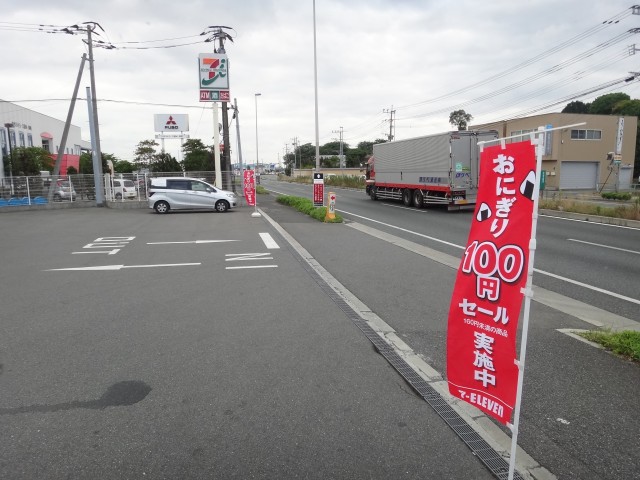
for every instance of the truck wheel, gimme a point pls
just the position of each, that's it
(372, 193)
(418, 199)
(407, 197)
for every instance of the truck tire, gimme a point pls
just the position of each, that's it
(407, 197)
(418, 199)
(372, 193)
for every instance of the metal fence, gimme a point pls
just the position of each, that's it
(43, 189)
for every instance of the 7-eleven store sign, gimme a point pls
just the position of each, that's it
(213, 69)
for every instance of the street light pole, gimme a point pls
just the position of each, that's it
(257, 156)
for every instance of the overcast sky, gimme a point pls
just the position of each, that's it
(416, 57)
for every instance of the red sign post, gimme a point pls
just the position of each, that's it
(249, 187)
(318, 189)
(487, 297)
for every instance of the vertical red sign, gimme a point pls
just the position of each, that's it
(318, 189)
(487, 297)
(249, 187)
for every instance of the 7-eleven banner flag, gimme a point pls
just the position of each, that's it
(487, 297)
(249, 188)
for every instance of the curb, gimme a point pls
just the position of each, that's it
(622, 222)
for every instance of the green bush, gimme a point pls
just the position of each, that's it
(305, 206)
(626, 343)
(616, 195)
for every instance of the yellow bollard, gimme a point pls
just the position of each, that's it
(331, 208)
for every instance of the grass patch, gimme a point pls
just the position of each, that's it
(305, 205)
(628, 212)
(260, 190)
(626, 343)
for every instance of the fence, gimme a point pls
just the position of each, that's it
(40, 190)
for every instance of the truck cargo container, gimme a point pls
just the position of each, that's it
(440, 169)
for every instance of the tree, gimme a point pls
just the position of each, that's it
(460, 119)
(123, 166)
(29, 161)
(164, 162)
(197, 156)
(86, 162)
(576, 107)
(145, 153)
(605, 104)
(368, 146)
(71, 170)
(627, 107)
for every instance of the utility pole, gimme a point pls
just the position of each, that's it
(295, 147)
(236, 115)
(391, 112)
(226, 153)
(341, 155)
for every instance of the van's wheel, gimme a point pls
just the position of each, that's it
(407, 197)
(418, 199)
(222, 206)
(161, 207)
(118, 196)
(372, 193)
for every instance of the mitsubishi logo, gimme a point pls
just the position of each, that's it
(171, 124)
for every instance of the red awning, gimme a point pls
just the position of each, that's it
(46, 135)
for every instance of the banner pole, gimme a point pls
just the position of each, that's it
(537, 139)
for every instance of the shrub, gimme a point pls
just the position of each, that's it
(305, 206)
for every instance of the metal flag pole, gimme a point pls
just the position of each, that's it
(537, 140)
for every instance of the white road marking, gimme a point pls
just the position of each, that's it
(603, 246)
(416, 210)
(587, 221)
(118, 267)
(405, 230)
(252, 266)
(568, 280)
(590, 287)
(268, 240)
(193, 241)
(234, 257)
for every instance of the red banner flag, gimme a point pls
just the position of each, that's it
(487, 297)
(249, 188)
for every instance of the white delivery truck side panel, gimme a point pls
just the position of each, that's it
(434, 169)
(410, 161)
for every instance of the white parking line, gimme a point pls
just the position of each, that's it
(269, 241)
(118, 267)
(252, 266)
(192, 241)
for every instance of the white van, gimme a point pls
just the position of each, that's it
(184, 193)
(119, 188)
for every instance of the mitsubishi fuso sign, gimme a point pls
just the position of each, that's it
(213, 69)
(171, 122)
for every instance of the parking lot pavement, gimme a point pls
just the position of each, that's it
(194, 345)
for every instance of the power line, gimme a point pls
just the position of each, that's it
(611, 21)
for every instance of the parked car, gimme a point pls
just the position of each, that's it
(123, 189)
(64, 191)
(184, 193)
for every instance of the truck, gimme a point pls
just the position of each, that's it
(440, 169)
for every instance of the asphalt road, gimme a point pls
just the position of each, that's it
(579, 411)
(136, 345)
(594, 263)
(170, 362)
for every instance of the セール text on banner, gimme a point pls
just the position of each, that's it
(487, 296)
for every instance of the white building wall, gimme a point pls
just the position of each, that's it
(25, 122)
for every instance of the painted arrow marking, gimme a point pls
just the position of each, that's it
(194, 241)
(118, 267)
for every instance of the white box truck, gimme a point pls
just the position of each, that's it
(439, 169)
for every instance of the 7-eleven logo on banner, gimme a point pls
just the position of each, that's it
(487, 297)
